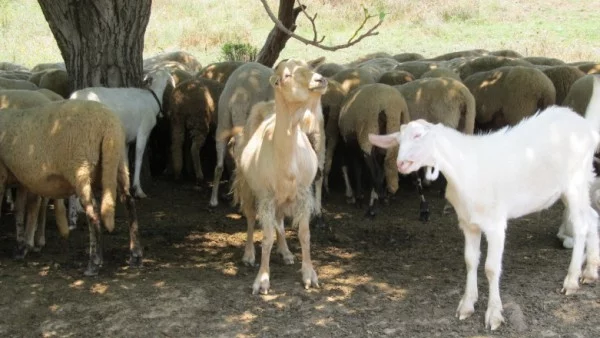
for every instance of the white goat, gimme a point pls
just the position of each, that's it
(137, 108)
(516, 171)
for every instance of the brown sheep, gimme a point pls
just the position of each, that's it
(219, 71)
(352, 78)
(396, 77)
(506, 95)
(417, 68)
(404, 57)
(486, 63)
(579, 94)
(193, 112)
(562, 77)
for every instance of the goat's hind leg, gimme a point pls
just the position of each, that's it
(266, 212)
(466, 307)
(495, 236)
(282, 247)
(590, 273)
(581, 217)
(221, 148)
(302, 218)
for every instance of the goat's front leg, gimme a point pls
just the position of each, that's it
(466, 307)
(493, 268)
(282, 247)
(249, 251)
(140, 146)
(262, 283)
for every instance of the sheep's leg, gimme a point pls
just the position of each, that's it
(282, 247)
(349, 193)
(493, 268)
(214, 197)
(197, 144)
(580, 220)
(20, 204)
(140, 146)
(9, 199)
(377, 182)
(318, 183)
(74, 209)
(590, 273)
(177, 137)
(95, 249)
(249, 251)
(423, 206)
(269, 223)
(309, 276)
(466, 307)
(33, 203)
(135, 248)
(40, 233)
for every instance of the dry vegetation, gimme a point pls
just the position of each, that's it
(553, 28)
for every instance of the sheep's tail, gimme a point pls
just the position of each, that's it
(112, 155)
(60, 214)
(467, 114)
(592, 112)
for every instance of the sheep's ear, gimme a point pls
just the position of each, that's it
(274, 80)
(384, 141)
(316, 62)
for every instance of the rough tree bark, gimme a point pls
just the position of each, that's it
(277, 39)
(101, 41)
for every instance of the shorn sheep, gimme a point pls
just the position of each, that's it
(247, 85)
(276, 166)
(507, 174)
(138, 109)
(73, 147)
(372, 108)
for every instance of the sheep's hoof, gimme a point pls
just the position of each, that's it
(92, 269)
(350, 200)
(138, 193)
(135, 260)
(386, 201)
(370, 214)
(318, 222)
(21, 251)
(37, 248)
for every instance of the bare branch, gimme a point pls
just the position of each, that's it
(318, 42)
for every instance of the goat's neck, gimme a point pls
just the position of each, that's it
(449, 156)
(287, 117)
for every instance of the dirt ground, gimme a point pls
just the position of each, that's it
(392, 276)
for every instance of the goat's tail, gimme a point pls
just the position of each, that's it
(112, 155)
(592, 113)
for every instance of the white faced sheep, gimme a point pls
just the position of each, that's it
(373, 108)
(507, 174)
(506, 95)
(56, 80)
(73, 147)
(137, 108)
(276, 166)
(404, 57)
(193, 112)
(182, 57)
(331, 103)
(247, 85)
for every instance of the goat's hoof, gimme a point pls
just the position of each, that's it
(249, 261)
(493, 318)
(465, 309)
(590, 274)
(288, 258)
(261, 284)
(309, 278)
(568, 243)
(570, 287)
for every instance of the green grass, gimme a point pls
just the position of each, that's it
(553, 28)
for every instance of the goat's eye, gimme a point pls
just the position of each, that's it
(287, 76)
(416, 136)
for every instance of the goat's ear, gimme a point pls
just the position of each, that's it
(274, 80)
(316, 62)
(384, 141)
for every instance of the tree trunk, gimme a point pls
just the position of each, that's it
(101, 41)
(277, 39)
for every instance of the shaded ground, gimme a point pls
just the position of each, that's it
(392, 276)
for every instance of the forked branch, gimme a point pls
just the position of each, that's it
(354, 39)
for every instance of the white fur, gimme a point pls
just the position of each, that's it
(137, 109)
(507, 174)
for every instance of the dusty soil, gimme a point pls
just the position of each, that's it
(391, 276)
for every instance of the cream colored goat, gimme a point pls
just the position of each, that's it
(276, 165)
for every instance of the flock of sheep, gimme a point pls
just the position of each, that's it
(277, 129)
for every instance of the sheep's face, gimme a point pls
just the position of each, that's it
(297, 81)
(415, 144)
